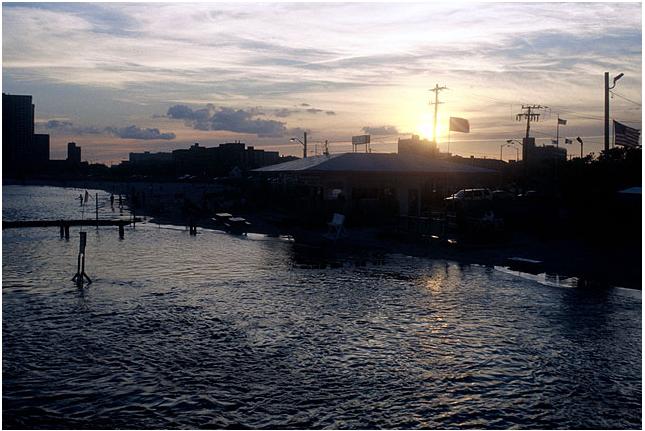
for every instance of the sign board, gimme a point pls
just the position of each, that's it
(360, 140)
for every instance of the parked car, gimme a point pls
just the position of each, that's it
(502, 195)
(470, 195)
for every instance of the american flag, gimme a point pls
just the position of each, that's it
(626, 136)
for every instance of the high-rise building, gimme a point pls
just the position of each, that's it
(40, 149)
(73, 153)
(17, 132)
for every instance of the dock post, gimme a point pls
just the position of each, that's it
(121, 231)
(80, 276)
(66, 231)
(96, 199)
(62, 230)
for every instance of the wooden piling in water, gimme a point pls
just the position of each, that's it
(80, 276)
(121, 231)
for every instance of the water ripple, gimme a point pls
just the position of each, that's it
(217, 332)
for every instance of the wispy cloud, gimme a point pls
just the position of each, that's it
(358, 64)
(381, 130)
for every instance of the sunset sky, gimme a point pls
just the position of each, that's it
(117, 78)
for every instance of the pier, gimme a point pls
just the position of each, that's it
(66, 223)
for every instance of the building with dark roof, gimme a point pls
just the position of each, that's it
(408, 184)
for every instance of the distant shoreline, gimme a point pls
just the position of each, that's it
(568, 258)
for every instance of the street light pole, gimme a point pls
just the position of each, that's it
(303, 143)
(607, 88)
(514, 141)
(606, 111)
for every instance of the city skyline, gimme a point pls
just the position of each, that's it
(117, 78)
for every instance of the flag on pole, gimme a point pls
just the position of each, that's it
(626, 136)
(459, 125)
(562, 122)
(568, 141)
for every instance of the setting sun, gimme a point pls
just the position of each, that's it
(426, 128)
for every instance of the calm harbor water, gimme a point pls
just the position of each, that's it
(224, 331)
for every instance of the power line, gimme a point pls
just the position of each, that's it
(625, 98)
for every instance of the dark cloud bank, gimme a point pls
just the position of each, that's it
(229, 119)
(239, 120)
(128, 132)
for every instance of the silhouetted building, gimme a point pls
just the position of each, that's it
(73, 153)
(150, 158)
(533, 155)
(417, 146)
(40, 149)
(202, 161)
(17, 131)
(528, 144)
(548, 153)
(370, 183)
(494, 164)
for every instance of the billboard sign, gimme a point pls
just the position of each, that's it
(360, 140)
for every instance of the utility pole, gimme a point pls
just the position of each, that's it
(529, 115)
(527, 143)
(436, 103)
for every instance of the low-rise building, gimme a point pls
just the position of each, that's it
(361, 182)
(418, 147)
